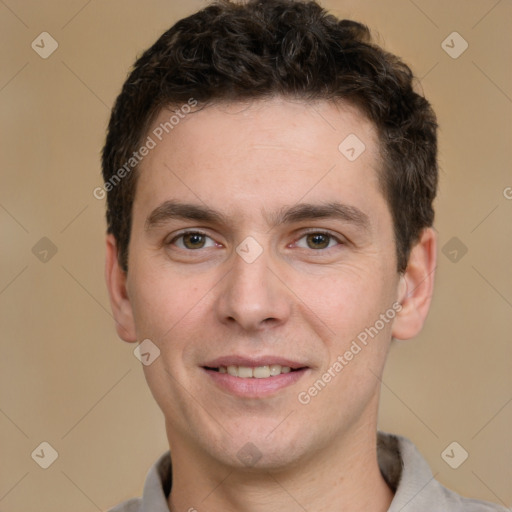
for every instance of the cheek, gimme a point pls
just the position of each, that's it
(348, 299)
(167, 304)
(157, 301)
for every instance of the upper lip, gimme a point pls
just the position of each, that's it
(253, 362)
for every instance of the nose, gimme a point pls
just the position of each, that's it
(252, 296)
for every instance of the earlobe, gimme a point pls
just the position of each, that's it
(115, 277)
(416, 287)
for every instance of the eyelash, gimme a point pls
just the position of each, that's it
(185, 233)
(321, 232)
(304, 234)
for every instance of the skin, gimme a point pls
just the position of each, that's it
(249, 162)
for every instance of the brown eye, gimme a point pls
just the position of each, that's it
(193, 240)
(318, 240)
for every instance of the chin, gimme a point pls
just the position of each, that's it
(257, 450)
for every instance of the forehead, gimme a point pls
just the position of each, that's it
(272, 151)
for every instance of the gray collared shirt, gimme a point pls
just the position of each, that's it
(401, 465)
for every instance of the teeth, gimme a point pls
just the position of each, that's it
(245, 372)
(260, 372)
(275, 369)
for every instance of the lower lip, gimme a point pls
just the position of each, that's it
(253, 387)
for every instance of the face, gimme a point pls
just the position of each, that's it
(262, 265)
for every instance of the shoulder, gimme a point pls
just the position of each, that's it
(416, 489)
(459, 503)
(132, 505)
(156, 489)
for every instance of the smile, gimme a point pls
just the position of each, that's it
(258, 372)
(254, 377)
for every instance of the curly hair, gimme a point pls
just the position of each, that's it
(259, 49)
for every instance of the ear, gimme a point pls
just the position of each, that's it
(416, 287)
(119, 300)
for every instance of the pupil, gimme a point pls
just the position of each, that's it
(318, 241)
(194, 240)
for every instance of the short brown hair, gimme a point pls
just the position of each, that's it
(231, 52)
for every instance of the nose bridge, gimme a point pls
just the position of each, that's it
(252, 295)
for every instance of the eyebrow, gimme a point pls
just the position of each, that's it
(170, 210)
(335, 210)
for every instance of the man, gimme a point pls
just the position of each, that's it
(270, 176)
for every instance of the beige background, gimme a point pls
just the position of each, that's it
(66, 378)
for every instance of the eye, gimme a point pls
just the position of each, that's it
(193, 240)
(317, 241)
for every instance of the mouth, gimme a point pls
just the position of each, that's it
(257, 372)
(254, 378)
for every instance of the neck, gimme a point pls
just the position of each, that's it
(341, 477)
